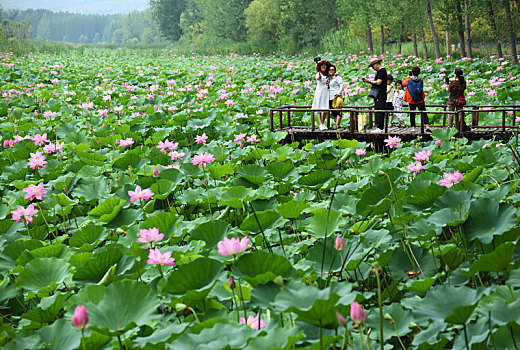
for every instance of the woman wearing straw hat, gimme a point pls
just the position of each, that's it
(379, 82)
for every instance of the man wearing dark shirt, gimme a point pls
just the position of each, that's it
(379, 82)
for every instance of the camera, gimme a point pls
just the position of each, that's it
(317, 59)
(410, 73)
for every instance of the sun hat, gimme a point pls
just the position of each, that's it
(374, 61)
(327, 63)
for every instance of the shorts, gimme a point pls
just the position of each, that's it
(334, 114)
(389, 106)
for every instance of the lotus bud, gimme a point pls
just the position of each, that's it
(231, 283)
(155, 172)
(278, 280)
(180, 307)
(339, 244)
(205, 181)
(357, 314)
(412, 325)
(80, 318)
(388, 317)
(341, 319)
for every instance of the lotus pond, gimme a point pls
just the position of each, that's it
(145, 205)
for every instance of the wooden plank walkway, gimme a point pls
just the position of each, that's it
(299, 133)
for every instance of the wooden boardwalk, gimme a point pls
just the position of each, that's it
(349, 129)
(299, 133)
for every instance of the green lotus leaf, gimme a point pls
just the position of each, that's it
(96, 267)
(496, 261)
(61, 335)
(235, 196)
(107, 210)
(281, 170)
(219, 170)
(316, 179)
(219, 337)
(59, 251)
(325, 223)
(210, 232)
(266, 219)
(125, 304)
(488, 218)
(398, 325)
(194, 280)
(43, 272)
(87, 234)
(162, 188)
(292, 209)
(447, 303)
(164, 221)
(261, 267)
(253, 173)
(314, 306)
(277, 338)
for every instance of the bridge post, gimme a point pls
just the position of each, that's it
(474, 116)
(281, 121)
(328, 119)
(504, 120)
(313, 121)
(444, 117)
(271, 121)
(289, 119)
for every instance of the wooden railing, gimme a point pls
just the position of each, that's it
(354, 111)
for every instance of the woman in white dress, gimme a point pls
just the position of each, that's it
(335, 88)
(321, 94)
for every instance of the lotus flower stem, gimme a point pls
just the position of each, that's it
(380, 304)
(82, 336)
(261, 230)
(466, 337)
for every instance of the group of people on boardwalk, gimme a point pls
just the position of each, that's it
(386, 95)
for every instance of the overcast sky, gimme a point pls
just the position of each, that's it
(78, 6)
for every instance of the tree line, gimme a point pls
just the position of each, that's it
(130, 29)
(451, 27)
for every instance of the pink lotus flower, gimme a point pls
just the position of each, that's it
(253, 322)
(155, 257)
(422, 156)
(50, 148)
(22, 214)
(229, 103)
(393, 141)
(492, 93)
(155, 172)
(451, 179)
(438, 142)
(339, 244)
(240, 138)
(342, 322)
(35, 192)
(37, 161)
(252, 139)
(126, 142)
(201, 139)
(202, 159)
(357, 314)
(8, 143)
(149, 236)
(80, 318)
(232, 246)
(138, 194)
(40, 140)
(360, 152)
(167, 146)
(414, 168)
(176, 155)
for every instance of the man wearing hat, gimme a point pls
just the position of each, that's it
(379, 82)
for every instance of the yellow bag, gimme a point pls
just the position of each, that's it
(362, 122)
(337, 102)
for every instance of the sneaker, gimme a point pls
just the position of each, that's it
(376, 130)
(323, 127)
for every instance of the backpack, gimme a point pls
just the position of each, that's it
(415, 88)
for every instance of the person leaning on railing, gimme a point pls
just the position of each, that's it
(456, 100)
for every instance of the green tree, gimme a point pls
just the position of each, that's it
(167, 13)
(263, 22)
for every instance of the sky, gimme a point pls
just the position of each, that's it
(78, 6)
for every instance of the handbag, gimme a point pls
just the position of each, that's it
(374, 92)
(338, 102)
(461, 101)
